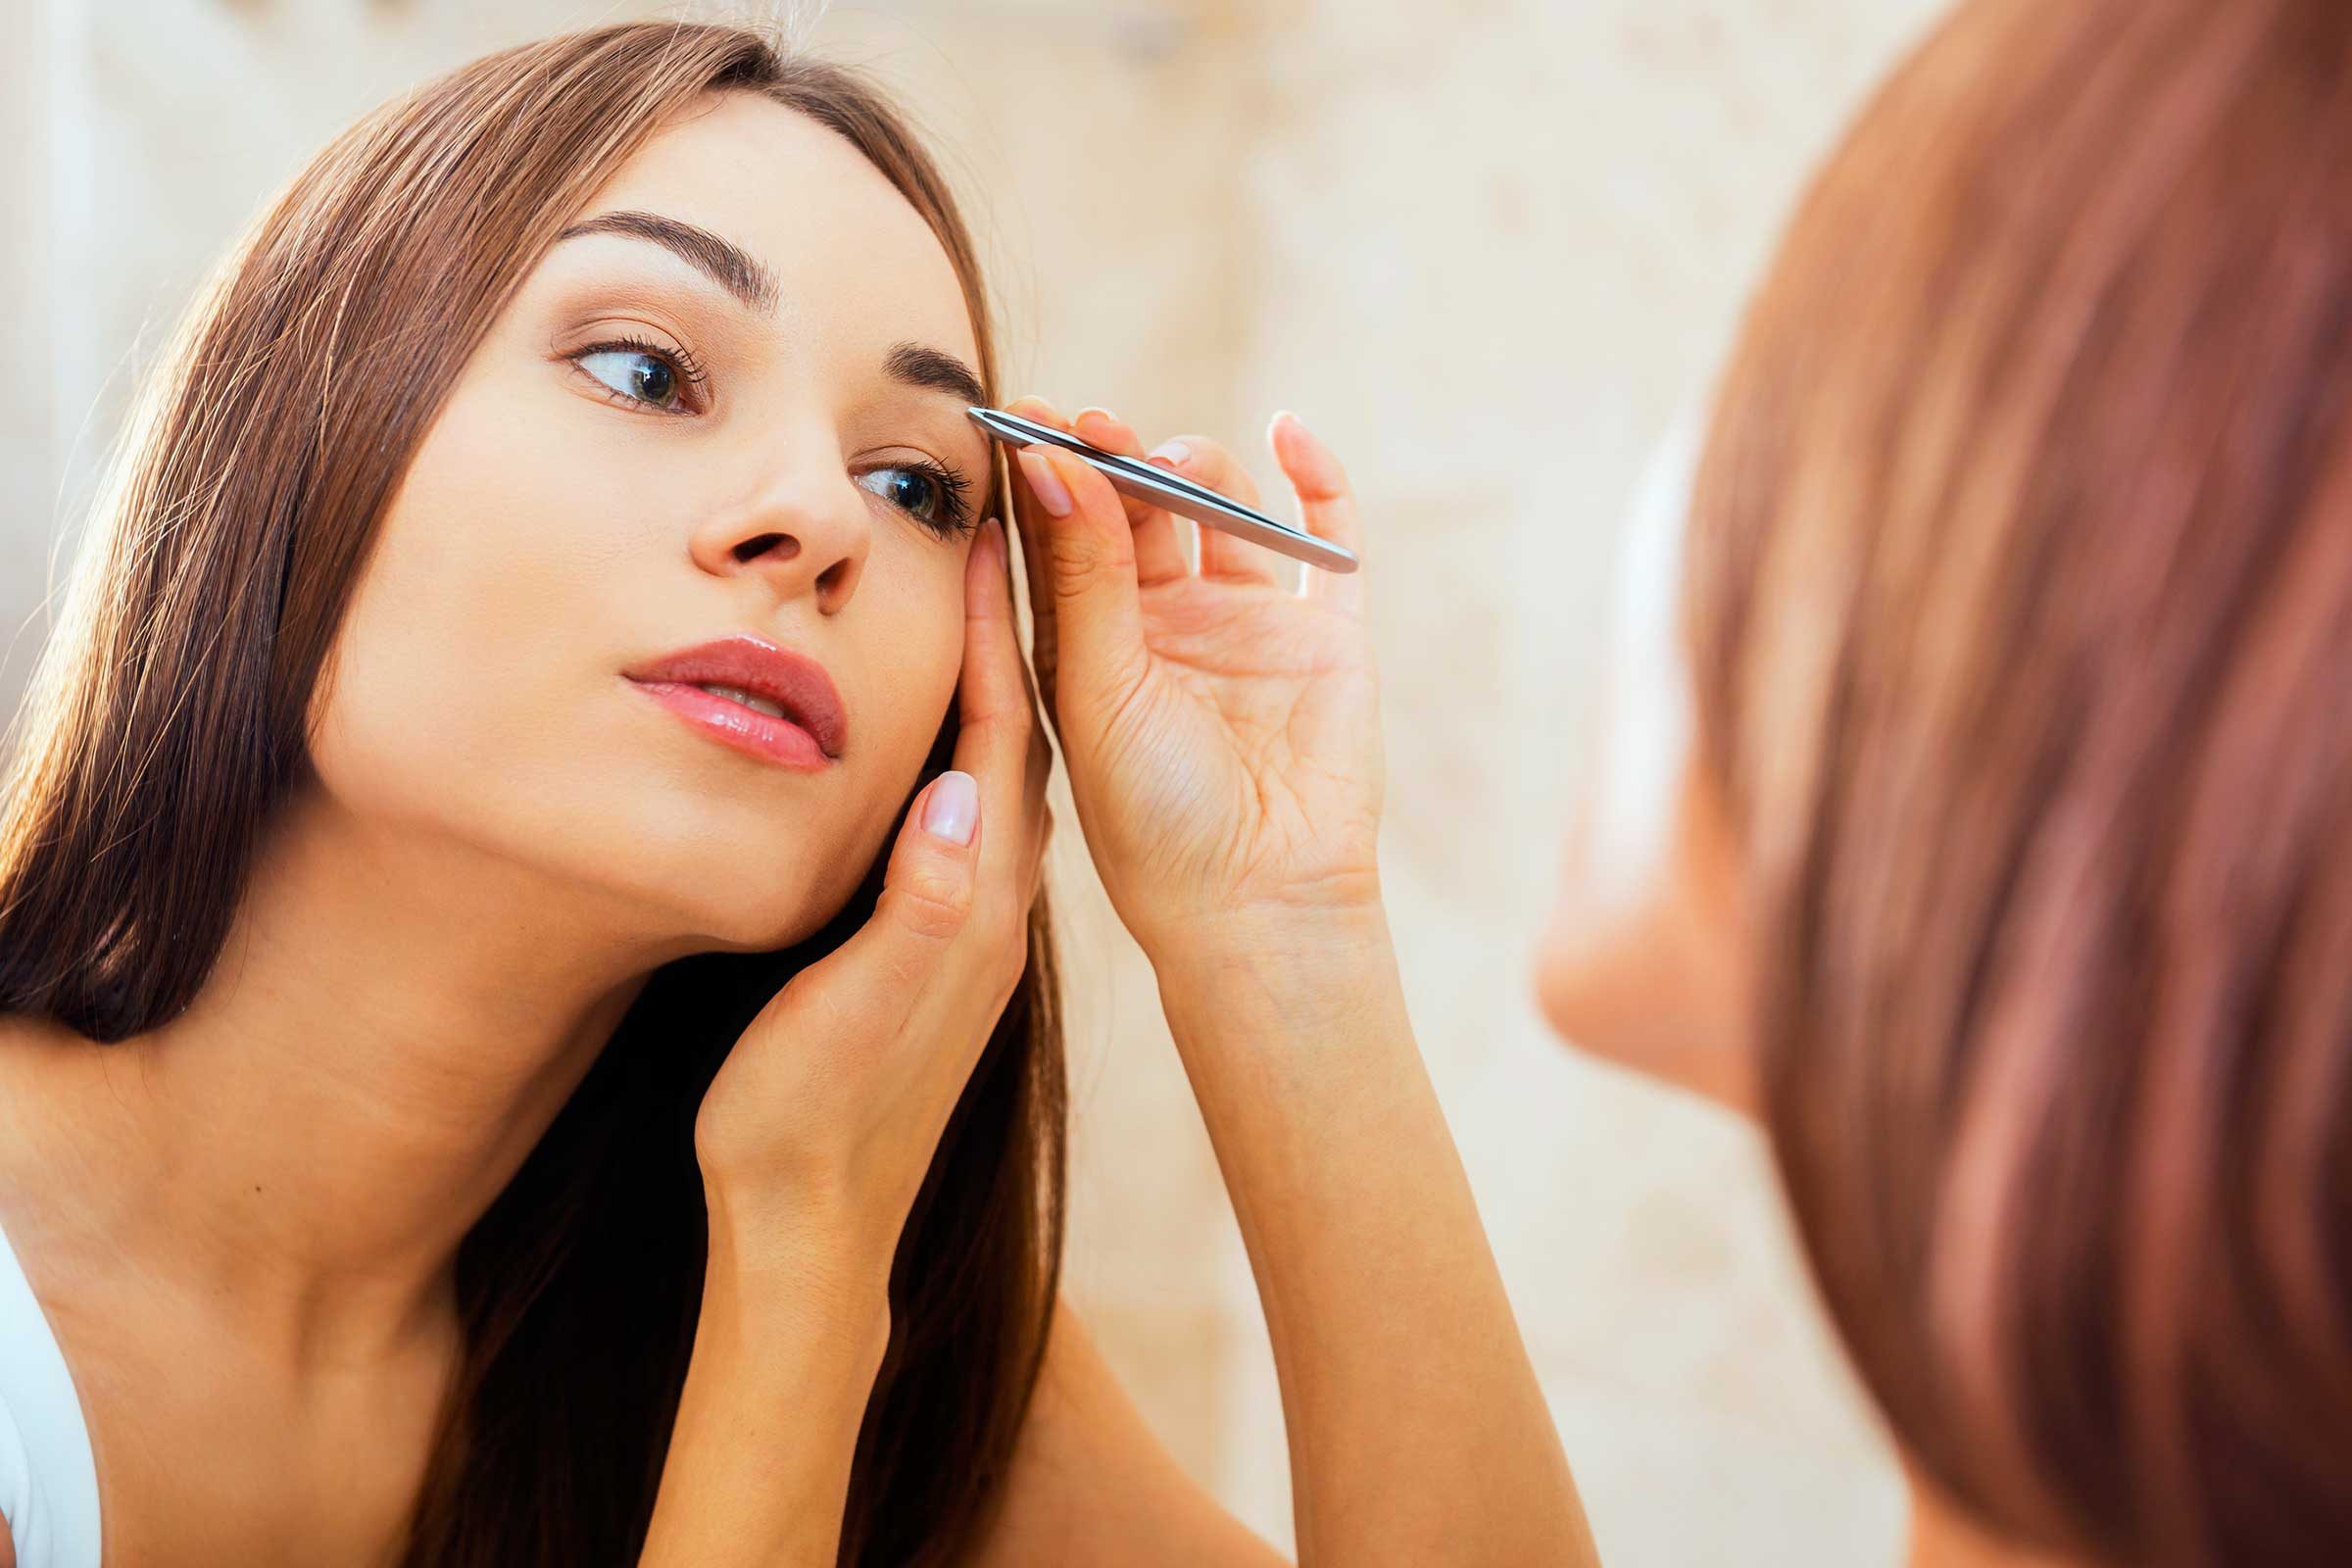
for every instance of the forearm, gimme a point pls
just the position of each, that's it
(1417, 1431)
(759, 1461)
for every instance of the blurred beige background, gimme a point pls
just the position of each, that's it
(1489, 251)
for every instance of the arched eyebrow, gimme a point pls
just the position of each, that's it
(927, 368)
(726, 262)
(741, 273)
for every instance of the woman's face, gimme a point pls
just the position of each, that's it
(1642, 960)
(729, 403)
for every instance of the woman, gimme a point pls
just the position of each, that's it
(2016, 817)
(472, 1088)
(2008, 872)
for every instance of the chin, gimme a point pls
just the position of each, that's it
(1637, 993)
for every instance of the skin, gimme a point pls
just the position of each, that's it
(242, 1224)
(1220, 731)
(1645, 954)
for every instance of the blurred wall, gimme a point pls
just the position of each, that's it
(1489, 251)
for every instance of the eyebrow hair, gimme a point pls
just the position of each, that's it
(727, 263)
(917, 366)
(741, 275)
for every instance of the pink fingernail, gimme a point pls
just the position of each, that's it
(1050, 492)
(953, 808)
(1175, 454)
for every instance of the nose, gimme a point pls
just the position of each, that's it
(806, 529)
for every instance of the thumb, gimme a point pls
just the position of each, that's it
(864, 992)
(926, 898)
(927, 887)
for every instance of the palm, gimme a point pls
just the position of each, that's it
(1246, 767)
(1225, 756)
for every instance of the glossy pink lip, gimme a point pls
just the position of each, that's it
(814, 729)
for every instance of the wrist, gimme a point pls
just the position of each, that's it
(808, 1262)
(1320, 942)
(1304, 969)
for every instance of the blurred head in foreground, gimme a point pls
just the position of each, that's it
(2007, 870)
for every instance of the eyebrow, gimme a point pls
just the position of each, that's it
(726, 262)
(741, 275)
(918, 367)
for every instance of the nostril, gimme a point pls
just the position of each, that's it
(829, 580)
(752, 549)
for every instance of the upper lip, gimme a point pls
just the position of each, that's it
(797, 684)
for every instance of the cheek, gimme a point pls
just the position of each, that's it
(1650, 980)
(1629, 965)
(1620, 850)
(911, 638)
(475, 696)
(910, 607)
(470, 610)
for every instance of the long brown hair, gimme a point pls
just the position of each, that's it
(2021, 602)
(167, 719)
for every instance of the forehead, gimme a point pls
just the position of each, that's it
(855, 264)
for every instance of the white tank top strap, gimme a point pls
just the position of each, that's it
(48, 1478)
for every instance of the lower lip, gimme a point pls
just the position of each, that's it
(772, 740)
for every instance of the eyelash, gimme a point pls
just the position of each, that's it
(952, 486)
(685, 363)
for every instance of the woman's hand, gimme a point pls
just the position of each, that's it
(1222, 738)
(816, 1132)
(1221, 730)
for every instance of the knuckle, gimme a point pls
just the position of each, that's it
(1083, 554)
(931, 903)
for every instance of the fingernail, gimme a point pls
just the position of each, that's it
(1052, 493)
(1175, 454)
(953, 808)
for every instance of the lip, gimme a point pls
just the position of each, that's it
(813, 730)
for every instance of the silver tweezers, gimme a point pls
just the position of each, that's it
(1172, 491)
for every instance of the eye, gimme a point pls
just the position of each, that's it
(931, 495)
(639, 372)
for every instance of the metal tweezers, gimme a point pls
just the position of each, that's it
(1172, 491)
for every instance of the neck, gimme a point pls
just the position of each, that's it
(388, 1031)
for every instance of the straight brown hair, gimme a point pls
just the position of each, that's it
(2020, 595)
(167, 720)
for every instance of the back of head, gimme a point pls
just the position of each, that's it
(2021, 602)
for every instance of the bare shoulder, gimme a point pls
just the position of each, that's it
(1091, 1483)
